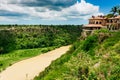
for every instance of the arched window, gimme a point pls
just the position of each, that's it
(97, 22)
(100, 22)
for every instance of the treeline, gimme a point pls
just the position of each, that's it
(14, 37)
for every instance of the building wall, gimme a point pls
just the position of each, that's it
(97, 21)
(111, 24)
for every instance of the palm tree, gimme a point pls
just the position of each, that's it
(114, 10)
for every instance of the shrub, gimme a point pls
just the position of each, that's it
(102, 31)
(90, 43)
(115, 73)
(111, 41)
(91, 52)
(1, 64)
(117, 49)
(45, 50)
(92, 76)
(7, 41)
(83, 71)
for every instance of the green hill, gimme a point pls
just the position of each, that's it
(95, 58)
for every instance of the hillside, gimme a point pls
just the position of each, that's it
(95, 58)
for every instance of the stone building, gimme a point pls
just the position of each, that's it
(98, 22)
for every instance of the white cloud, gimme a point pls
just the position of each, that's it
(82, 10)
(8, 19)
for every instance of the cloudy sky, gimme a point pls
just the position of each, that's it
(52, 11)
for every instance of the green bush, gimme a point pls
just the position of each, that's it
(7, 41)
(90, 43)
(45, 50)
(102, 31)
(115, 73)
(112, 40)
(117, 49)
(83, 71)
(92, 76)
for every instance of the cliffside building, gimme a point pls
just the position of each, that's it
(98, 22)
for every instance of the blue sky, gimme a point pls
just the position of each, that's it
(52, 11)
(105, 5)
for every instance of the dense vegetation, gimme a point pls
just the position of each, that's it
(95, 58)
(18, 42)
(14, 37)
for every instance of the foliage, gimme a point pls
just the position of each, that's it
(77, 65)
(117, 49)
(7, 41)
(111, 41)
(14, 37)
(109, 15)
(90, 43)
(17, 41)
(102, 31)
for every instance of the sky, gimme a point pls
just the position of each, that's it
(56, 12)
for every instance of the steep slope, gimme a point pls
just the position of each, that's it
(96, 58)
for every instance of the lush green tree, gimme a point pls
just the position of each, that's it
(7, 41)
(109, 15)
(90, 43)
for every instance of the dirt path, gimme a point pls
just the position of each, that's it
(29, 68)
